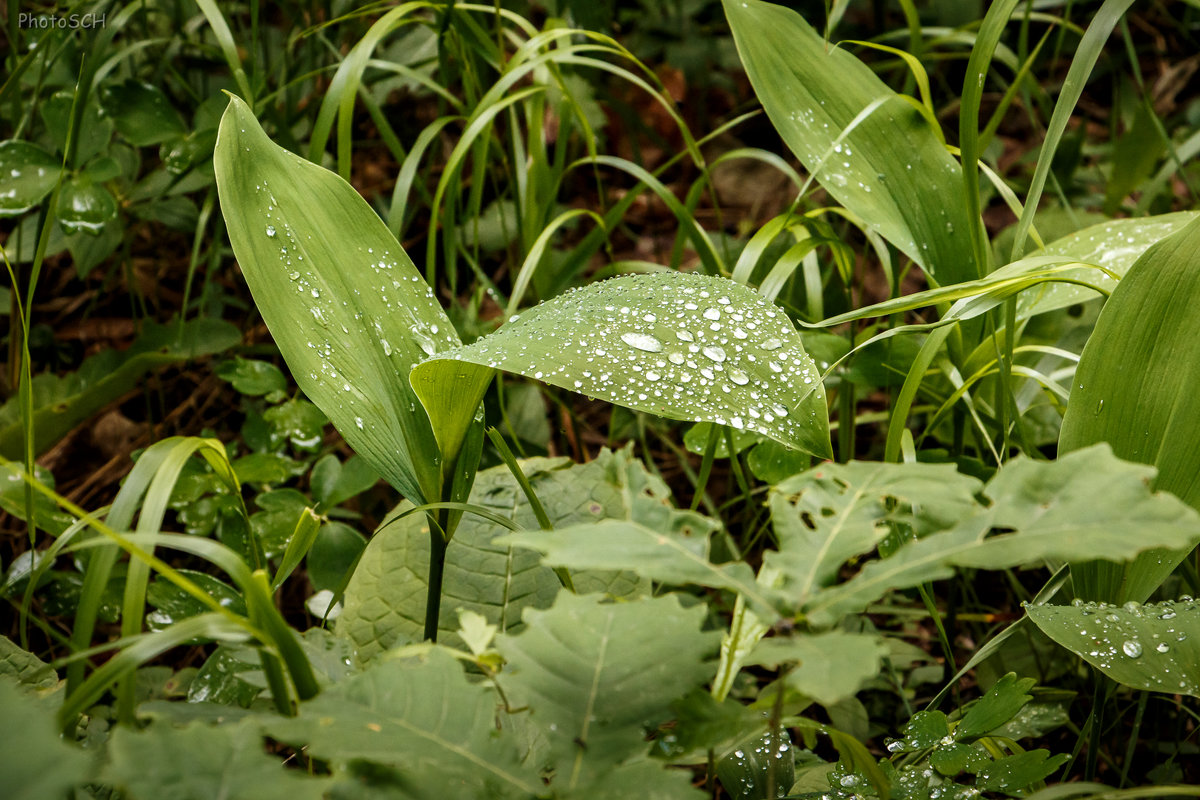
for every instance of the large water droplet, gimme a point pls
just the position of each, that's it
(675, 358)
(715, 353)
(772, 344)
(1163, 647)
(738, 377)
(271, 230)
(1132, 649)
(712, 313)
(642, 341)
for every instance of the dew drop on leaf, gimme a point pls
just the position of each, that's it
(270, 230)
(1132, 649)
(642, 341)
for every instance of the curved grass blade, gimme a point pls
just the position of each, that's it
(682, 346)
(890, 170)
(343, 301)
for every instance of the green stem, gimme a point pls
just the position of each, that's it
(437, 568)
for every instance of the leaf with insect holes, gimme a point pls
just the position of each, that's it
(342, 300)
(1135, 388)
(891, 170)
(679, 345)
(1153, 647)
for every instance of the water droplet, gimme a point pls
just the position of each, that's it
(779, 410)
(1163, 647)
(1132, 649)
(271, 230)
(684, 336)
(738, 377)
(358, 421)
(675, 358)
(651, 375)
(715, 353)
(712, 313)
(772, 344)
(642, 341)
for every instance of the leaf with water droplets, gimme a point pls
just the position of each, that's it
(1154, 647)
(27, 174)
(679, 345)
(342, 300)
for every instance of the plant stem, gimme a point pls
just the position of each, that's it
(437, 567)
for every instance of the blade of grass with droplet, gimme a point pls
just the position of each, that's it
(1135, 388)
(892, 170)
(343, 302)
(682, 346)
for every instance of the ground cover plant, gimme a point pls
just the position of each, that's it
(535, 468)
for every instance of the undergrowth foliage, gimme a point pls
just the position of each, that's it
(982, 593)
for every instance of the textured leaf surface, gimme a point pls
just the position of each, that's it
(836, 511)
(1087, 504)
(828, 667)
(27, 174)
(1114, 245)
(202, 761)
(385, 601)
(1152, 647)
(34, 761)
(422, 716)
(24, 666)
(891, 170)
(344, 303)
(679, 345)
(594, 673)
(1135, 388)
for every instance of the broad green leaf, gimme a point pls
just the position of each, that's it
(24, 666)
(422, 716)
(1019, 771)
(334, 551)
(644, 778)
(61, 403)
(27, 174)
(1135, 388)
(85, 206)
(595, 673)
(251, 377)
(1087, 504)
(203, 761)
(828, 667)
(836, 511)
(34, 761)
(891, 170)
(747, 772)
(142, 113)
(220, 680)
(679, 345)
(385, 600)
(1114, 245)
(344, 303)
(334, 482)
(1002, 702)
(1152, 647)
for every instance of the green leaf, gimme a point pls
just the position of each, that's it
(746, 773)
(142, 113)
(220, 680)
(34, 761)
(251, 377)
(891, 170)
(85, 207)
(1087, 504)
(998, 706)
(385, 600)
(202, 761)
(334, 482)
(334, 551)
(24, 667)
(1114, 245)
(828, 667)
(173, 604)
(1016, 772)
(342, 300)
(1152, 647)
(595, 673)
(836, 511)
(422, 716)
(679, 345)
(1135, 388)
(27, 174)
(61, 403)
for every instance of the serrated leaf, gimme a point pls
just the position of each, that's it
(202, 761)
(998, 706)
(836, 511)
(1135, 388)
(27, 174)
(34, 761)
(594, 673)
(828, 667)
(1114, 245)
(422, 716)
(926, 729)
(1087, 504)
(891, 170)
(342, 300)
(1013, 773)
(1152, 647)
(385, 600)
(24, 666)
(679, 345)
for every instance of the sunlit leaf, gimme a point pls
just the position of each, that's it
(679, 345)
